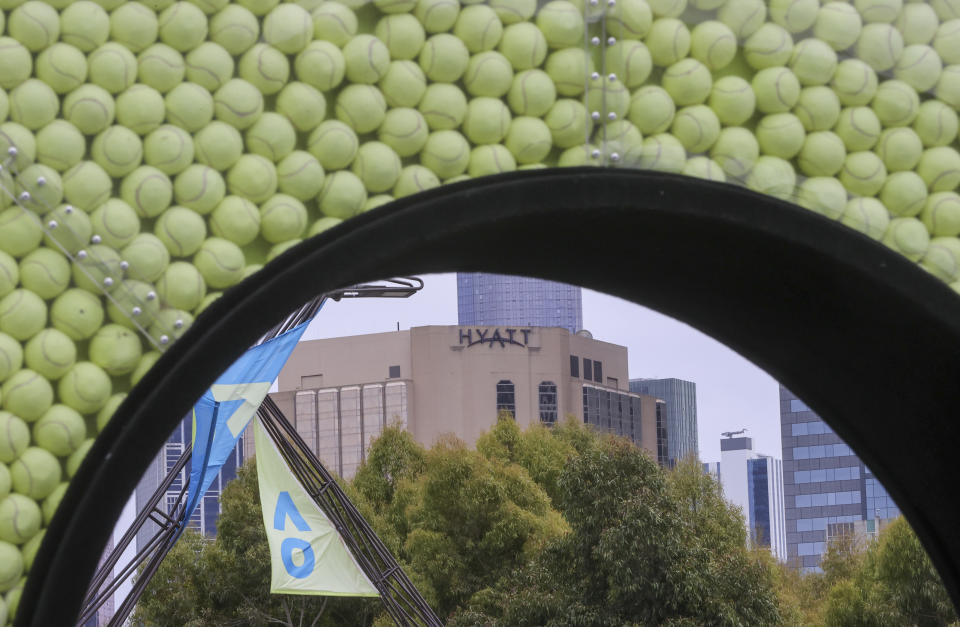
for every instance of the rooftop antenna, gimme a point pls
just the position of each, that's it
(730, 434)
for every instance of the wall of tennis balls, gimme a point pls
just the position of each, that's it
(157, 152)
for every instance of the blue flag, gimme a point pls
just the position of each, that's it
(223, 412)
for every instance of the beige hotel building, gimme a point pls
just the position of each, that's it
(434, 380)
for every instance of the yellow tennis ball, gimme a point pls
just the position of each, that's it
(940, 168)
(218, 145)
(403, 84)
(238, 103)
(118, 150)
(181, 286)
(859, 128)
(342, 195)
(487, 121)
(334, 22)
(209, 65)
(936, 123)
(822, 154)
(11, 358)
(743, 17)
(183, 26)
(235, 28)
(567, 69)
(20, 231)
(36, 473)
(561, 23)
(146, 257)
(181, 231)
(33, 104)
(264, 67)
(363, 107)
(45, 272)
(300, 175)
(713, 44)
(880, 46)
(141, 109)
(189, 106)
(200, 188)
(697, 127)
(377, 165)
(907, 236)
(288, 28)
(818, 108)
(896, 103)
(630, 62)
(704, 168)
(16, 63)
(668, 41)
(490, 159)
(662, 152)
(161, 67)
(60, 430)
(39, 188)
(688, 82)
(148, 190)
(303, 105)
(774, 176)
(20, 520)
(769, 46)
(67, 228)
(134, 305)
(366, 59)
(235, 219)
(85, 387)
(253, 177)
(838, 24)
(823, 194)
(777, 90)
(27, 394)
(50, 353)
(169, 149)
(272, 136)
(334, 144)
(221, 262)
(863, 173)
(629, 19)
(62, 67)
(34, 24)
(134, 25)
(84, 24)
(489, 74)
(412, 179)
(732, 99)
(113, 67)
(77, 313)
(524, 45)
(282, 218)
(446, 153)
(97, 269)
(114, 223)
(904, 193)
(568, 122)
(917, 23)
(528, 139)
(942, 258)
(940, 214)
(443, 106)
(651, 110)
(813, 62)
(402, 34)
(14, 437)
(899, 148)
(879, 10)
(105, 414)
(404, 130)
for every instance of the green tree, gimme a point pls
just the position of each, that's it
(888, 582)
(633, 554)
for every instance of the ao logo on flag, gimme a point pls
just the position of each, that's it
(290, 546)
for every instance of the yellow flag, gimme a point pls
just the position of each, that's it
(307, 553)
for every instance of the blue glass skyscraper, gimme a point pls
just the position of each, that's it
(828, 491)
(681, 399)
(502, 300)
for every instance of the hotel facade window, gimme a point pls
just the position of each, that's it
(506, 397)
(548, 402)
(574, 366)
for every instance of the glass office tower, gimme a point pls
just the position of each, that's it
(502, 300)
(681, 400)
(204, 518)
(827, 489)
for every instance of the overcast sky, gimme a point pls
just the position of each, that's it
(732, 393)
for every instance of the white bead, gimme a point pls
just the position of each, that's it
(595, 154)
(95, 239)
(52, 224)
(136, 311)
(12, 151)
(611, 41)
(612, 116)
(24, 196)
(68, 209)
(82, 254)
(41, 181)
(595, 75)
(164, 339)
(124, 265)
(611, 77)
(151, 295)
(108, 281)
(595, 41)
(595, 115)
(178, 324)
(614, 156)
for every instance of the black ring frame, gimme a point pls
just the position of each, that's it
(864, 336)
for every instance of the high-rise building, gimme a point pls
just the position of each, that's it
(205, 517)
(754, 482)
(503, 300)
(339, 393)
(681, 399)
(827, 489)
